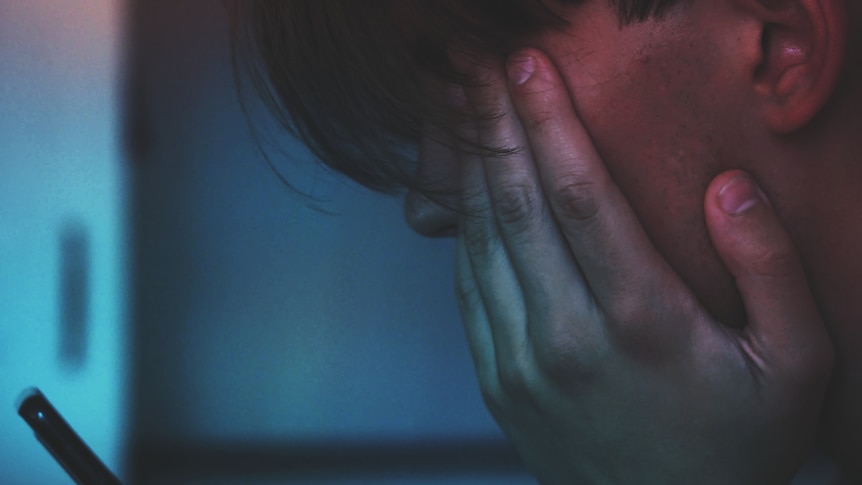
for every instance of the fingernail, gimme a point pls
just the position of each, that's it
(520, 69)
(739, 195)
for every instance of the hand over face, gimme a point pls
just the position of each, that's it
(596, 360)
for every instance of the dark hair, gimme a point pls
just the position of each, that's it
(351, 78)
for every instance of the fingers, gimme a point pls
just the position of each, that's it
(617, 258)
(547, 272)
(517, 236)
(493, 274)
(476, 323)
(784, 324)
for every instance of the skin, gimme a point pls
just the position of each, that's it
(667, 269)
(593, 388)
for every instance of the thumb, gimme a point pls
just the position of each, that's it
(784, 324)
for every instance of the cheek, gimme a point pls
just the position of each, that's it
(659, 147)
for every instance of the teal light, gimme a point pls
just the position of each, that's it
(60, 165)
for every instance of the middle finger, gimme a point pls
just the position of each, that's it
(555, 292)
(489, 263)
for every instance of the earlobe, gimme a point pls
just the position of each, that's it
(802, 55)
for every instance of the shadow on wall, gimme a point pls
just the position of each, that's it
(74, 295)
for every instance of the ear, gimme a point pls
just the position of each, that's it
(802, 54)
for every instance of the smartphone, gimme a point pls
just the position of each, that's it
(62, 442)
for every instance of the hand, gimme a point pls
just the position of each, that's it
(593, 356)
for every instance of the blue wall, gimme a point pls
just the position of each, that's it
(257, 317)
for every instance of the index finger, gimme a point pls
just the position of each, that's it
(616, 256)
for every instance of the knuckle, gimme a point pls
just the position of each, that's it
(479, 239)
(641, 331)
(518, 206)
(563, 364)
(515, 378)
(473, 202)
(497, 399)
(466, 292)
(493, 397)
(539, 119)
(568, 362)
(576, 199)
(628, 311)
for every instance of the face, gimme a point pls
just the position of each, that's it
(669, 105)
(662, 110)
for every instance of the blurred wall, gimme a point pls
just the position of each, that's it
(62, 227)
(257, 318)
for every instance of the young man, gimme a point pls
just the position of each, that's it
(624, 330)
